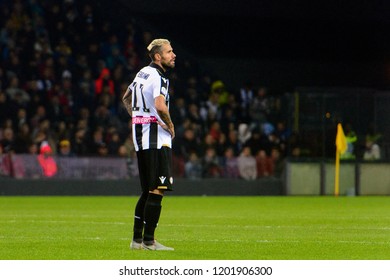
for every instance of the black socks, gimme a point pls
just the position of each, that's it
(139, 217)
(147, 215)
(152, 215)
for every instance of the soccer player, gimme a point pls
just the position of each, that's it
(147, 101)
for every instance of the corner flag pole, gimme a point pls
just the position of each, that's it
(337, 174)
(341, 148)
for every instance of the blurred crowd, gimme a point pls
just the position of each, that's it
(64, 68)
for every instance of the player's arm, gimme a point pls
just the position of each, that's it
(126, 99)
(163, 112)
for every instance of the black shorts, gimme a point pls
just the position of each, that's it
(155, 169)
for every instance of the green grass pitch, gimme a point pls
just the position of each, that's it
(199, 228)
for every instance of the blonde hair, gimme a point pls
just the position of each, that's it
(155, 46)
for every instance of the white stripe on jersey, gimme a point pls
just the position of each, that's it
(146, 86)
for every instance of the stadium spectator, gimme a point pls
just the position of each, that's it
(222, 145)
(113, 143)
(20, 118)
(208, 142)
(80, 142)
(62, 49)
(194, 115)
(23, 139)
(187, 144)
(244, 134)
(193, 167)
(257, 141)
(115, 58)
(44, 132)
(215, 130)
(296, 152)
(260, 108)
(85, 84)
(37, 117)
(7, 138)
(57, 112)
(211, 164)
(273, 141)
(11, 165)
(102, 150)
(372, 151)
(16, 93)
(233, 142)
(65, 149)
(104, 83)
(97, 140)
(230, 116)
(263, 163)
(218, 88)
(46, 160)
(102, 117)
(247, 164)
(351, 138)
(179, 111)
(211, 109)
(282, 132)
(230, 164)
(277, 163)
(61, 131)
(33, 149)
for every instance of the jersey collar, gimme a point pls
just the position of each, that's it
(158, 68)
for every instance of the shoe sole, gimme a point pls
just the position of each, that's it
(150, 248)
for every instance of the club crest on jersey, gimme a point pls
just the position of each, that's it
(162, 179)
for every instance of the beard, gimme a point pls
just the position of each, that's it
(168, 64)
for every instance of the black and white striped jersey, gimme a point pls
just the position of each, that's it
(148, 84)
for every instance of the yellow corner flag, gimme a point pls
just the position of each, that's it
(341, 141)
(341, 148)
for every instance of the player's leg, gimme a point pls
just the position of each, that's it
(161, 161)
(139, 217)
(139, 213)
(152, 214)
